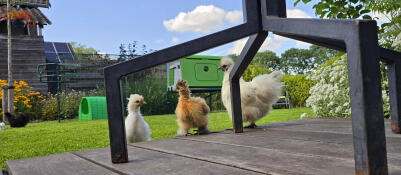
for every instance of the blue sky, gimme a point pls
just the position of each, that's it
(158, 24)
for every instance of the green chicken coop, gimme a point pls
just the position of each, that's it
(92, 108)
(201, 72)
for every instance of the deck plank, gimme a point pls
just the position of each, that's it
(255, 158)
(319, 144)
(60, 164)
(144, 161)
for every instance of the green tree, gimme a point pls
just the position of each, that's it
(298, 61)
(267, 59)
(132, 50)
(321, 54)
(83, 52)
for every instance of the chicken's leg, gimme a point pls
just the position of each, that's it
(252, 125)
(202, 130)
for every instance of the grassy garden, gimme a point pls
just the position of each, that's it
(51, 137)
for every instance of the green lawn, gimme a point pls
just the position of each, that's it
(45, 138)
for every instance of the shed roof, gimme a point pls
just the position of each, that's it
(36, 14)
(30, 3)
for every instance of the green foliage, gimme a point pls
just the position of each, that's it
(292, 61)
(362, 9)
(81, 50)
(132, 50)
(297, 61)
(69, 104)
(340, 8)
(46, 138)
(267, 59)
(298, 88)
(253, 71)
(151, 84)
(304, 61)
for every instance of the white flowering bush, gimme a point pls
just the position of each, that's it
(330, 95)
(397, 42)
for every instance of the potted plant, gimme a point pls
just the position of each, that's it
(19, 18)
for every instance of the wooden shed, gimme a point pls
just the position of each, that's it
(27, 43)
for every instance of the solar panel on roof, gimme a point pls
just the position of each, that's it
(62, 47)
(52, 58)
(57, 51)
(66, 56)
(49, 47)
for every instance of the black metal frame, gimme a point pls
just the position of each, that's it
(357, 37)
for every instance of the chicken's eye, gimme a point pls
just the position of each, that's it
(224, 66)
(137, 101)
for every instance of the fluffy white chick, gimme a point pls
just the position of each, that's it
(136, 128)
(257, 96)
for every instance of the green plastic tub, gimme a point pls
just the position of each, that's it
(92, 108)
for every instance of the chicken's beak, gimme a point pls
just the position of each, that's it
(144, 102)
(223, 68)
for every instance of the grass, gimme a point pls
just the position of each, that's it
(51, 137)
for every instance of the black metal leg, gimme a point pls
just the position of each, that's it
(366, 101)
(250, 49)
(394, 84)
(236, 111)
(118, 143)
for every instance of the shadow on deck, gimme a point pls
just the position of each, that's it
(306, 146)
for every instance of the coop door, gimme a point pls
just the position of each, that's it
(206, 72)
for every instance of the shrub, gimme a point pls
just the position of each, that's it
(330, 95)
(154, 91)
(253, 71)
(25, 99)
(298, 88)
(69, 103)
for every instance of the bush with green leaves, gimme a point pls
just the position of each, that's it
(69, 103)
(330, 95)
(298, 88)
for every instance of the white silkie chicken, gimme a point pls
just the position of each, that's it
(136, 128)
(257, 96)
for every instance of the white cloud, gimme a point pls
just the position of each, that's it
(202, 19)
(280, 38)
(380, 17)
(302, 44)
(269, 44)
(234, 16)
(238, 46)
(296, 13)
(175, 40)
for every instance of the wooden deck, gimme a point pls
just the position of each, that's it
(307, 146)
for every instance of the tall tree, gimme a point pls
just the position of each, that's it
(297, 61)
(267, 59)
(133, 50)
(321, 54)
(83, 52)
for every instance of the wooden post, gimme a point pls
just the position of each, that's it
(10, 88)
(4, 102)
